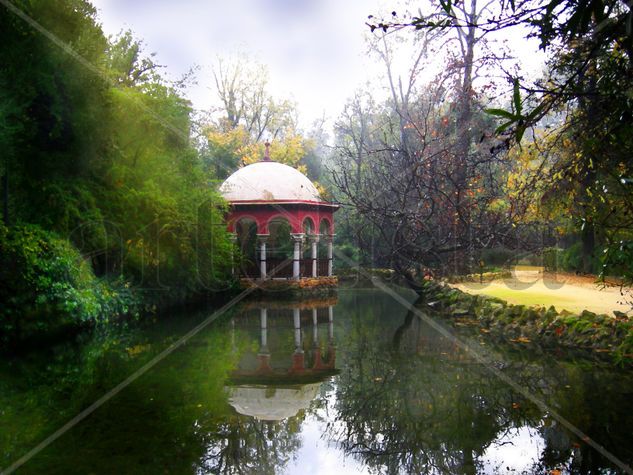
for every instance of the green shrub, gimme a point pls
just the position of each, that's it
(347, 257)
(572, 258)
(498, 256)
(530, 260)
(552, 258)
(617, 260)
(568, 260)
(45, 284)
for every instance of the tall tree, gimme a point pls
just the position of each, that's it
(419, 176)
(242, 88)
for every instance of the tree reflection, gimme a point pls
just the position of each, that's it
(174, 419)
(247, 445)
(408, 400)
(405, 400)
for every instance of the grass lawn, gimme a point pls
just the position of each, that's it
(529, 297)
(564, 296)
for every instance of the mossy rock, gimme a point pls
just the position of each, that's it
(570, 319)
(516, 310)
(494, 309)
(459, 311)
(528, 315)
(494, 300)
(587, 315)
(620, 315)
(498, 312)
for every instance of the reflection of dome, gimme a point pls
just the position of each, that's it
(269, 181)
(271, 403)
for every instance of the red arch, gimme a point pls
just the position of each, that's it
(296, 214)
(329, 222)
(311, 224)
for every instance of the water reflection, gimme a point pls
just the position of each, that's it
(298, 387)
(282, 378)
(411, 401)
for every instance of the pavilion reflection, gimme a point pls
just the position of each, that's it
(292, 354)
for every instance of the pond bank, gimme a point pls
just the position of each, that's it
(597, 333)
(564, 291)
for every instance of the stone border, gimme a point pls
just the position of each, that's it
(286, 288)
(597, 333)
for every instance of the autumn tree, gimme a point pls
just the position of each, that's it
(250, 115)
(590, 46)
(423, 173)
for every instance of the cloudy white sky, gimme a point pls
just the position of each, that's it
(314, 49)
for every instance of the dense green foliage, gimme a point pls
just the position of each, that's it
(97, 150)
(47, 285)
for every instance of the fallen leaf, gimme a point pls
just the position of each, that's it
(521, 339)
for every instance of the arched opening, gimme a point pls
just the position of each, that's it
(246, 231)
(309, 231)
(308, 226)
(325, 247)
(325, 227)
(280, 247)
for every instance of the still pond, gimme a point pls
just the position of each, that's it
(349, 384)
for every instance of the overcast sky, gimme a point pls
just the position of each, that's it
(314, 49)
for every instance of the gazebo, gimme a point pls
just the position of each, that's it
(275, 204)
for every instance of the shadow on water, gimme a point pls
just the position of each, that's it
(299, 386)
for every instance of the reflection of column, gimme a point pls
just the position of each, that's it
(233, 238)
(331, 359)
(329, 238)
(330, 319)
(315, 331)
(261, 239)
(264, 355)
(263, 320)
(296, 258)
(296, 314)
(316, 348)
(298, 358)
(314, 240)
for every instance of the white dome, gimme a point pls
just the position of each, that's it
(271, 403)
(269, 181)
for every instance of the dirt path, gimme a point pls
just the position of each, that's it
(564, 291)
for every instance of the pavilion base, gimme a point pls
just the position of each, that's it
(305, 285)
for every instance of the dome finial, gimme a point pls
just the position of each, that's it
(267, 152)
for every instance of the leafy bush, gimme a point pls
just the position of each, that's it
(568, 260)
(617, 260)
(553, 258)
(45, 284)
(572, 258)
(347, 256)
(498, 257)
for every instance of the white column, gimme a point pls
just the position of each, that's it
(262, 238)
(296, 258)
(329, 240)
(314, 240)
